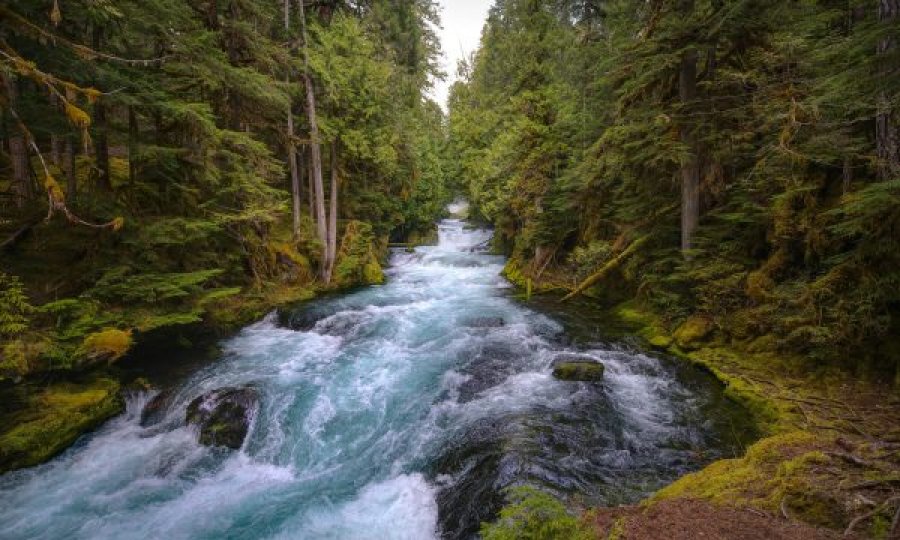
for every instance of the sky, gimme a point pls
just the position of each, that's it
(461, 21)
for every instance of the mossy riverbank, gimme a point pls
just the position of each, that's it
(829, 457)
(49, 403)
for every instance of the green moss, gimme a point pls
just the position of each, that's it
(372, 273)
(578, 371)
(54, 418)
(760, 478)
(647, 324)
(693, 332)
(107, 345)
(534, 515)
(774, 473)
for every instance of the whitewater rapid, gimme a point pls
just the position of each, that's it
(394, 412)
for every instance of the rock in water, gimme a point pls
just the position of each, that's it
(577, 368)
(155, 409)
(224, 415)
(484, 322)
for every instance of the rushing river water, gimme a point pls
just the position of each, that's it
(398, 411)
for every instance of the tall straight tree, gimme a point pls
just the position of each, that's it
(18, 151)
(315, 149)
(291, 147)
(331, 244)
(690, 168)
(887, 134)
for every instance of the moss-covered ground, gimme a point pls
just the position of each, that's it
(830, 453)
(830, 456)
(41, 422)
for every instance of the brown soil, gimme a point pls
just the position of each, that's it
(691, 519)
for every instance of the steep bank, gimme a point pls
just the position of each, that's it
(55, 376)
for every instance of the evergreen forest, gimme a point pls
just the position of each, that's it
(703, 195)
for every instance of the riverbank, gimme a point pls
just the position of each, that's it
(829, 458)
(47, 406)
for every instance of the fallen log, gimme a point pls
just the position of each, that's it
(614, 263)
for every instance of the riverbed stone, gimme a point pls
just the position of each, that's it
(223, 416)
(155, 408)
(484, 322)
(578, 368)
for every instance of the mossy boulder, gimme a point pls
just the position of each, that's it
(223, 416)
(693, 332)
(577, 368)
(54, 418)
(108, 345)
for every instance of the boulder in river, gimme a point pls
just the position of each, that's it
(484, 322)
(577, 368)
(224, 415)
(155, 408)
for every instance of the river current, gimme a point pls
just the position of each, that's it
(393, 412)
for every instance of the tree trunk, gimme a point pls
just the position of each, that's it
(55, 140)
(101, 143)
(132, 146)
(331, 247)
(315, 150)
(22, 186)
(690, 170)
(295, 175)
(310, 191)
(291, 148)
(69, 166)
(887, 138)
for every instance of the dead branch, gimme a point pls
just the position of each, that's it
(886, 504)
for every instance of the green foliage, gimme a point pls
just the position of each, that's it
(14, 306)
(196, 137)
(569, 128)
(57, 415)
(534, 515)
(357, 263)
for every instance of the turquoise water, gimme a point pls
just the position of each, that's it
(393, 412)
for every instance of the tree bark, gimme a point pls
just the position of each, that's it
(315, 150)
(69, 166)
(291, 147)
(887, 138)
(613, 263)
(132, 146)
(101, 142)
(690, 170)
(55, 140)
(22, 186)
(331, 247)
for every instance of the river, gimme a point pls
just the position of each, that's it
(392, 412)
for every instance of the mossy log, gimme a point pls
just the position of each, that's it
(614, 263)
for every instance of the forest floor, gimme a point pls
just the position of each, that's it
(828, 464)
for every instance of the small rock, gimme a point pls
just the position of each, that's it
(484, 322)
(577, 368)
(224, 415)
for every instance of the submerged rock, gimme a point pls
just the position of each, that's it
(155, 408)
(577, 368)
(224, 415)
(484, 322)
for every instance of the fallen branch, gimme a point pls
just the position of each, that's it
(867, 515)
(607, 268)
(18, 235)
(850, 458)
